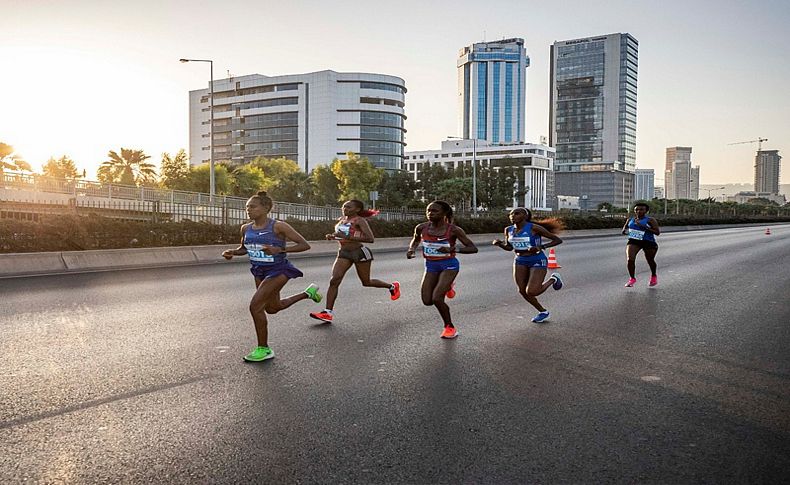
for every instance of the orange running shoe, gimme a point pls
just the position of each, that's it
(395, 291)
(324, 316)
(449, 332)
(451, 292)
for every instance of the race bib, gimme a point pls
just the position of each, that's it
(520, 243)
(260, 257)
(636, 234)
(432, 249)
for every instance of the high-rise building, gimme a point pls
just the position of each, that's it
(492, 78)
(309, 118)
(766, 171)
(644, 184)
(682, 179)
(593, 117)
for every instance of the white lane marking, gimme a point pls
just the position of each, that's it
(650, 378)
(222, 348)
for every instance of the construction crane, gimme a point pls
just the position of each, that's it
(759, 142)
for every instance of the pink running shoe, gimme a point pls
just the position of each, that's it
(631, 283)
(653, 281)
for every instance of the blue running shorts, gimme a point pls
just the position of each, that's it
(450, 264)
(535, 261)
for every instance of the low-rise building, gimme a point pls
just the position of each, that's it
(534, 164)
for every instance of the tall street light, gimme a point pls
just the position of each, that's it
(211, 123)
(474, 170)
(709, 201)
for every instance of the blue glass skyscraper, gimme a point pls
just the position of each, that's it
(492, 79)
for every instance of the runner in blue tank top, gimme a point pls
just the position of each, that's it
(530, 265)
(264, 241)
(642, 231)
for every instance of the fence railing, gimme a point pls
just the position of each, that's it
(179, 204)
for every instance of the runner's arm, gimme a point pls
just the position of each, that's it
(367, 232)
(289, 233)
(652, 226)
(239, 251)
(415, 240)
(543, 232)
(503, 244)
(469, 246)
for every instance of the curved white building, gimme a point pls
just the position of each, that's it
(309, 118)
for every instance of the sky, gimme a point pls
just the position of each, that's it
(80, 78)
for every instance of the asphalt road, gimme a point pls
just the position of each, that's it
(137, 376)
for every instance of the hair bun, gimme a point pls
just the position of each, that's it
(262, 193)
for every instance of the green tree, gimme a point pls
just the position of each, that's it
(605, 207)
(296, 187)
(326, 187)
(174, 170)
(248, 180)
(496, 187)
(357, 176)
(428, 178)
(12, 161)
(199, 179)
(129, 167)
(396, 189)
(275, 169)
(61, 168)
(456, 191)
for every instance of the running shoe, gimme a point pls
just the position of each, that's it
(395, 291)
(541, 317)
(324, 316)
(631, 283)
(259, 354)
(449, 332)
(451, 292)
(557, 281)
(653, 281)
(312, 292)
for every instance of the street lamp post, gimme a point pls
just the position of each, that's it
(474, 170)
(212, 182)
(709, 201)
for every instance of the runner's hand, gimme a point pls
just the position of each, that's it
(227, 254)
(272, 250)
(410, 254)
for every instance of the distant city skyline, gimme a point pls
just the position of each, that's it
(82, 78)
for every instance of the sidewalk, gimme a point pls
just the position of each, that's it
(33, 264)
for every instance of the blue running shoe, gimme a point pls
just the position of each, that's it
(557, 281)
(541, 317)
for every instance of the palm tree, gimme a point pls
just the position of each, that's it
(130, 168)
(12, 161)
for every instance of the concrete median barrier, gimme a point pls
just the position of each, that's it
(127, 258)
(31, 263)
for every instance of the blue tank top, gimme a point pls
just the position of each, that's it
(638, 234)
(523, 240)
(255, 239)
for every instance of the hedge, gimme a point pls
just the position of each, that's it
(73, 232)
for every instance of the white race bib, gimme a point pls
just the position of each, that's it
(520, 243)
(636, 234)
(260, 256)
(432, 249)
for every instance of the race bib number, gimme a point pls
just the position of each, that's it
(636, 234)
(260, 257)
(520, 243)
(432, 249)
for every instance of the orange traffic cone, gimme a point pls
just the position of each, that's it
(553, 264)
(767, 231)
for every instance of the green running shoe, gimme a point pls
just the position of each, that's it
(259, 354)
(312, 292)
